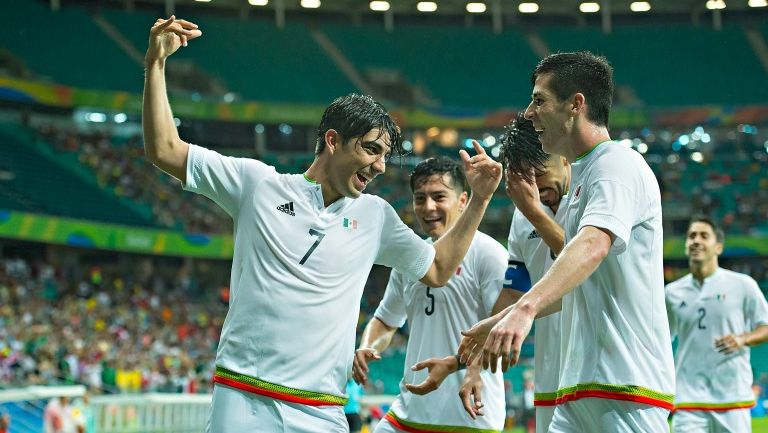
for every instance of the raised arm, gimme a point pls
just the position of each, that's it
(162, 144)
(376, 338)
(483, 175)
(525, 195)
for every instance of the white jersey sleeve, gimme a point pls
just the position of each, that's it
(755, 306)
(222, 178)
(401, 248)
(613, 207)
(392, 308)
(514, 243)
(491, 270)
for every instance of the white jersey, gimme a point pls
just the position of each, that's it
(727, 303)
(436, 317)
(526, 245)
(615, 334)
(298, 274)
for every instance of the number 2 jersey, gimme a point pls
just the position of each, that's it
(727, 303)
(298, 273)
(436, 317)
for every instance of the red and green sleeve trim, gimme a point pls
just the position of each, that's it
(715, 407)
(633, 393)
(414, 427)
(278, 392)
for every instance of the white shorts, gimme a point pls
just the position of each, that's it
(608, 416)
(236, 411)
(706, 421)
(544, 416)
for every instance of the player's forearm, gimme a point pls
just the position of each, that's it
(757, 337)
(451, 248)
(162, 144)
(578, 260)
(377, 335)
(549, 230)
(507, 297)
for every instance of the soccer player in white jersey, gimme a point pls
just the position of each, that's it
(436, 315)
(616, 373)
(716, 315)
(537, 183)
(304, 245)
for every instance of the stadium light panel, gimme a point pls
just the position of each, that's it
(476, 8)
(310, 4)
(379, 6)
(203, 1)
(528, 8)
(589, 7)
(258, 2)
(426, 6)
(640, 7)
(715, 4)
(758, 3)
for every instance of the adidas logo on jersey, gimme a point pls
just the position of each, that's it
(287, 208)
(682, 304)
(534, 234)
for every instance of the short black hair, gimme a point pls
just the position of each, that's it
(355, 115)
(581, 72)
(521, 149)
(719, 233)
(440, 165)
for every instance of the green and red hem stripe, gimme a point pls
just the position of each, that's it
(257, 386)
(715, 407)
(633, 393)
(415, 427)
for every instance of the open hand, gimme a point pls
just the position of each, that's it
(167, 36)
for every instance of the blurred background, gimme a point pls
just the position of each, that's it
(114, 282)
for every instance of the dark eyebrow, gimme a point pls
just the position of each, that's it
(376, 145)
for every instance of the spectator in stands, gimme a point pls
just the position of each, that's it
(5, 422)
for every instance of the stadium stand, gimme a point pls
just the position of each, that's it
(52, 42)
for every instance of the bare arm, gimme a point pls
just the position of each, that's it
(579, 259)
(507, 297)
(483, 175)
(732, 343)
(549, 230)
(526, 197)
(162, 144)
(376, 338)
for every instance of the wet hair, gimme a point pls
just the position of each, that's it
(521, 149)
(440, 166)
(580, 72)
(355, 115)
(719, 233)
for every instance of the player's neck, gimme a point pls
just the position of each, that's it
(703, 270)
(318, 173)
(586, 139)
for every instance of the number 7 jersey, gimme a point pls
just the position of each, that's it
(727, 303)
(298, 273)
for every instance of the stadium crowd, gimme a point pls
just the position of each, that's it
(728, 180)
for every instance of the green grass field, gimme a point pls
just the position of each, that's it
(759, 425)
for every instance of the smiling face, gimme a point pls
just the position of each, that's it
(437, 204)
(701, 244)
(356, 162)
(551, 117)
(553, 182)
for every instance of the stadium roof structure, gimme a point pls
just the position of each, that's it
(506, 10)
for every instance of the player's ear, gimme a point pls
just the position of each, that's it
(578, 103)
(332, 140)
(463, 199)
